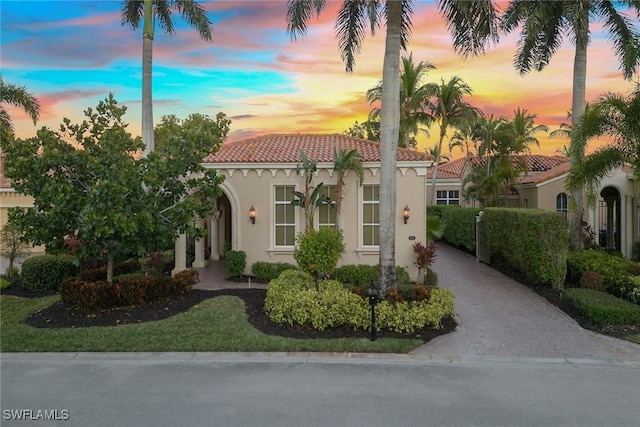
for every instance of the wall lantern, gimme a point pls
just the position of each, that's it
(252, 215)
(406, 213)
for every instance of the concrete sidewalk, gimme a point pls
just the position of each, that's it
(499, 317)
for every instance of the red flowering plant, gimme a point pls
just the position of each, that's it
(425, 255)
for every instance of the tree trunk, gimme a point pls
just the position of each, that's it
(110, 267)
(578, 106)
(389, 131)
(338, 202)
(147, 61)
(435, 171)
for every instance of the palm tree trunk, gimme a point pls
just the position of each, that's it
(338, 202)
(389, 132)
(578, 106)
(147, 61)
(435, 171)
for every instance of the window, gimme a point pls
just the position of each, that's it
(561, 203)
(448, 197)
(285, 216)
(327, 213)
(370, 215)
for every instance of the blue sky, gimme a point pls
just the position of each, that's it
(71, 54)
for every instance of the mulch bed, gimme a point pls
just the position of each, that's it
(60, 315)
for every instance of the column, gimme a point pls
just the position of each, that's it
(180, 254)
(199, 261)
(626, 228)
(214, 239)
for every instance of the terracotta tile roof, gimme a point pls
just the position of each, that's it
(277, 148)
(541, 177)
(534, 162)
(451, 170)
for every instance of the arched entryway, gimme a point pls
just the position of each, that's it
(610, 217)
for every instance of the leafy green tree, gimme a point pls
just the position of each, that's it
(414, 94)
(543, 25)
(17, 96)
(615, 115)
(133, 11)
(343, 162)
(369, 129)
(13, 247)
(447, 108)
(87, 183)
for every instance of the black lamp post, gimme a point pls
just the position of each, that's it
(372, 293)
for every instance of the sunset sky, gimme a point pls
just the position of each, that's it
(72, 54)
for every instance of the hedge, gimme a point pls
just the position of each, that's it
(532, 242)
(615, 272)
(265, 271)
(363, 274)
(459, 224)
(46, 272)
(603, 309)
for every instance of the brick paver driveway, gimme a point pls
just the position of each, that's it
(499, 317)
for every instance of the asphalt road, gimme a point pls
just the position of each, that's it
(232, 389)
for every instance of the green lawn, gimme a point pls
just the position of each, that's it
(216, 324)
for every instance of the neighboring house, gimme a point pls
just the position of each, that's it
(10, 199)
(260, 176)
(543, 187)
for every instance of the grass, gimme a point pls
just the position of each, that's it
(216, 324)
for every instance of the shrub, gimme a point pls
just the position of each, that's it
(235, 262)
(616, 277)
(603, 309)
(139, 289)
(45, 272)
(292, 299)
(636, 250)
(459, 224)
(319, 251)
(592, 280)
(266, 271)
(633, 269)
(364, 274)
(89, 296)
(431, 278)
(184, 281)
(156, 262)
(4, 283)
(420, 293)
(393, 296)
(532, 242)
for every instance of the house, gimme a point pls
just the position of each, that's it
(254, 213)
(543, 187)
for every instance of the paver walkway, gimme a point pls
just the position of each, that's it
(500, 317)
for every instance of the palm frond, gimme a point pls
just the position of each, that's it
(299, 12)
(473, 24)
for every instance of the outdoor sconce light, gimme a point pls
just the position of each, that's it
(252, 215)
(406, 213)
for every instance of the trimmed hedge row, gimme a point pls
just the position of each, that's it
(459, 224)
(292, 299)
(266, 271)
(531, 241)
(603, 309)
(46, 272)
(127, 290)
(362, 274)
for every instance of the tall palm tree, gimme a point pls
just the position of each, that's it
(148, 11)
(344, 161)
(18, 96)
(612, 115)
(524, 130)
(413, 99)
(352, 21)
(543, 25)
(448, 108)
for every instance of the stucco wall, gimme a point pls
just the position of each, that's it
(255, 187)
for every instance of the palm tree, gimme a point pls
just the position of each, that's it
(448, 108)
(18, 96)
(613, 115)
(434, 150)
(524, 130)
(344, 161)
(353, 18)
(413, 100)
(465, 137)
(148, 11)
(543, 24)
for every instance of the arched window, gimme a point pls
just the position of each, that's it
(561, 203)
